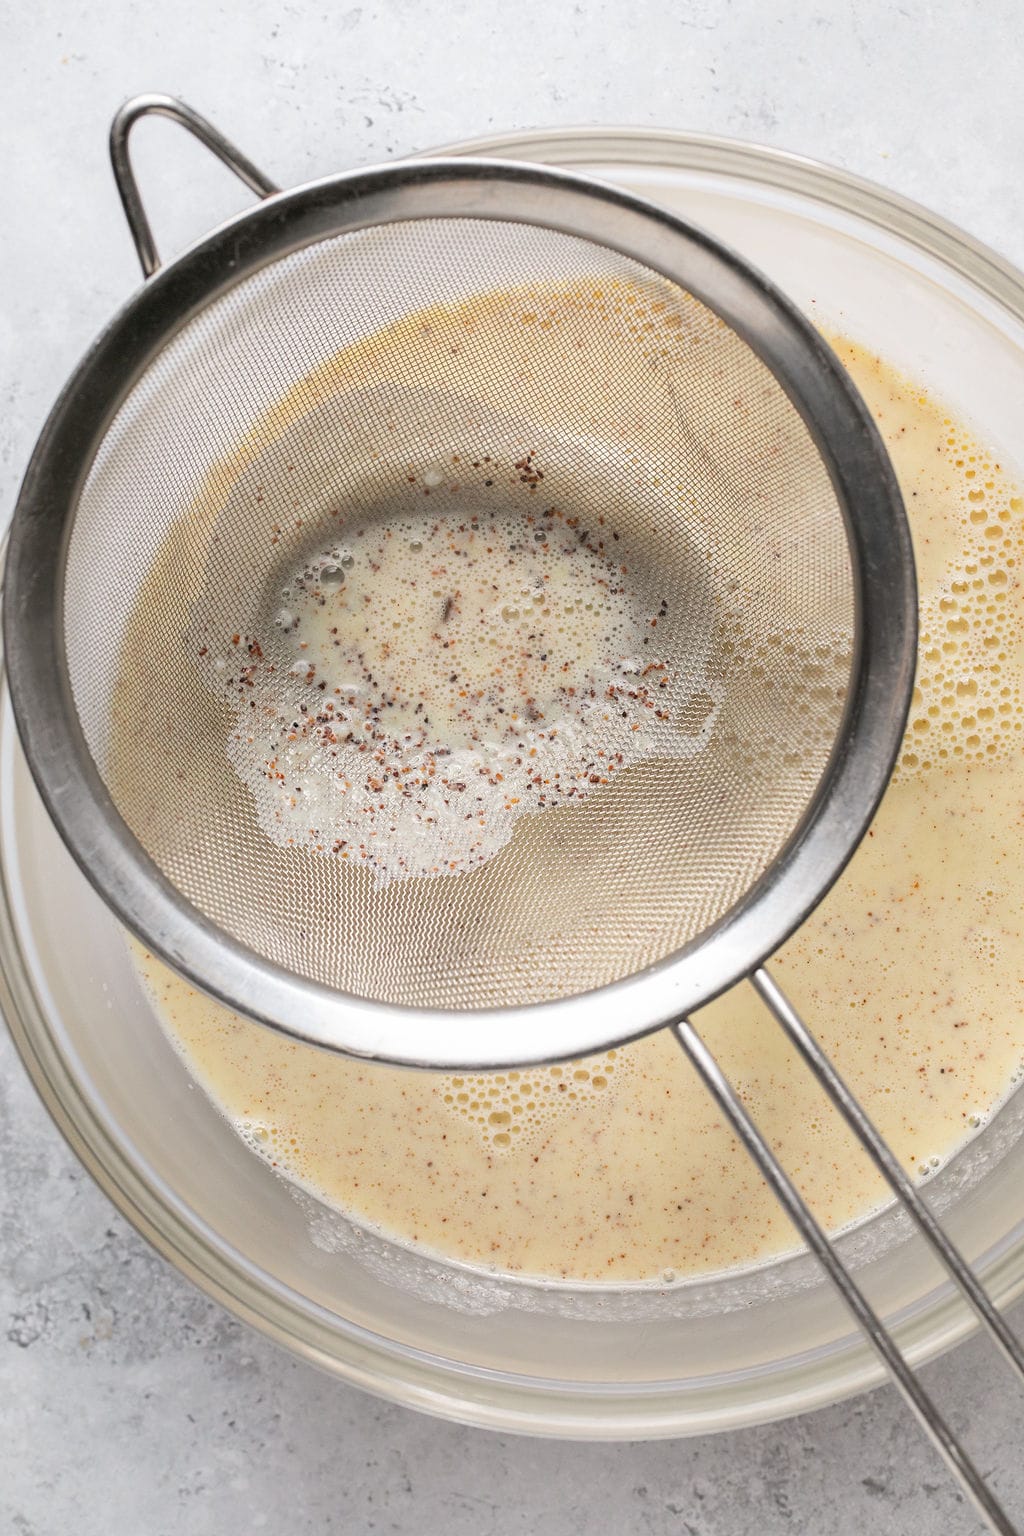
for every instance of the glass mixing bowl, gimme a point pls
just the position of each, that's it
(625, 1362)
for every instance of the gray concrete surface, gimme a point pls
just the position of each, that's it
(128, 1403)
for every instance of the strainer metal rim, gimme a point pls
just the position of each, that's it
(884, 583)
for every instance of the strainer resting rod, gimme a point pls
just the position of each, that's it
(821, 1246)
(683, 1029)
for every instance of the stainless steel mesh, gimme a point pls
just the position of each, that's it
(313, 394)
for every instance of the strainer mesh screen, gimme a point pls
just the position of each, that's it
(317, 393)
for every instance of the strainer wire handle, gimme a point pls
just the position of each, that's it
(800, 1214)
(131, 198)
(891, 1170)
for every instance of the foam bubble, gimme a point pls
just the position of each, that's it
(967, 704)
(511, 1110)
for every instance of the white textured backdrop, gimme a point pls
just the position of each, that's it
(129, 1403)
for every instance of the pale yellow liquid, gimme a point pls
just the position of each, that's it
(464, 671)
(912, 972)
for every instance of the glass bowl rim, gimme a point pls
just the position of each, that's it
(458, 1390)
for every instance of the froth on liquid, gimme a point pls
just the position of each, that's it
(429, 680)
(619, 1168)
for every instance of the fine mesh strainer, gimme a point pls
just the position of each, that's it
(551, 343)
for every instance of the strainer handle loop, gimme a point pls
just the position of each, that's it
(889, 1167)
(128, 187)
(806, 1224)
